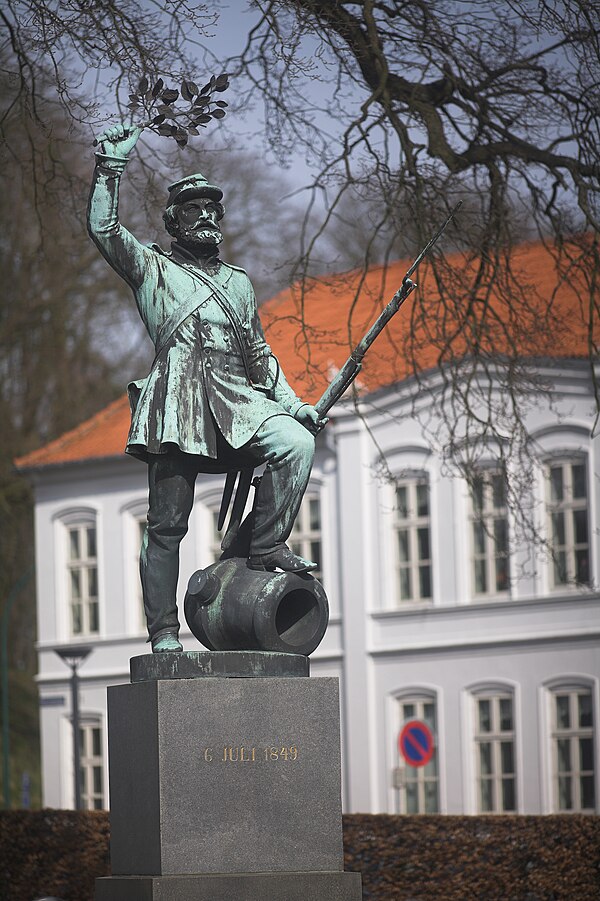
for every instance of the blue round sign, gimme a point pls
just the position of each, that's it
(415, 743)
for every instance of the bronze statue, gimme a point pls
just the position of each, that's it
(215, 399)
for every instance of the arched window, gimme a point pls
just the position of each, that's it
(489, 533)
(91, 764)
(573, 739)
(417, 787)
(495, 750)
(412, 528)
(78, 554)
(568, 521)
(305, 539)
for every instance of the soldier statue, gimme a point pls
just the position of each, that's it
(216, 399)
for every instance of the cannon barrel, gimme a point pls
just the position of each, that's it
(230, 607)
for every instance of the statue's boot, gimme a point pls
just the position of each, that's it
(167, 641)
(281, 558)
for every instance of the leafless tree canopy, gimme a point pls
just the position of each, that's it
(401, 108)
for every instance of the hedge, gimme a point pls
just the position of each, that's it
(429, 858)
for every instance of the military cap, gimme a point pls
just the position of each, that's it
(192, 186)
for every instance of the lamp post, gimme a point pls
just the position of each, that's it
(74, 657)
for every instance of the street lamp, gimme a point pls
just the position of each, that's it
(74, 656)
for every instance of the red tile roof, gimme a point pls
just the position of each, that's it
(313, 335)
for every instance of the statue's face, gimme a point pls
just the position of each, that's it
(198, 223)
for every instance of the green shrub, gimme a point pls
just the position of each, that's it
(429, 858)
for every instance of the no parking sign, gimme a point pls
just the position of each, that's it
(415, 743)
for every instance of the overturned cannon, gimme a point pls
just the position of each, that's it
(230, 607)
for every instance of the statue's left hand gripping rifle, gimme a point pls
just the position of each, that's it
(332, 394)
(353, 364)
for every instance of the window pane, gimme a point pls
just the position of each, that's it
(402, 502)
(580, 521)
(501, 536)
(412, 798)
(479, 537)
(556, 483)
(480, 577)
(501, 573)
(584, 704)
(408, 711)
(423, 543)
(76, 619)
(485, 716)
(506, 715)
(96, 745)
(508, 794)
(558, 528)
(91, 542)
(563, 746)
(579, 480)
(93, 617)
(314, 512)
(507, 761)
(92, 582)
(425, 581)
(431, 802)
(405, 585)
(485, 789)
(588, 795)
(563, 719)
(565, 797)
(75, 584)
(315, 553)
(485, 758)
(498, 491)
(586, 754)
(477, 494)
(403, 549)
(429, 715)
(582, 567)
(422, 500)
(560, 568)
(97, 771)
(74, 552)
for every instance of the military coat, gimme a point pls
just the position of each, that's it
(204, 332)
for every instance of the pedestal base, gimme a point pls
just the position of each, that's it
(237, 887)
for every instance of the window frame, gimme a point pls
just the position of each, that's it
(89, 764)
(573, 734)
(411, 481)
(568, 506)
(420, 776)
(496, 737)
(64, 521)
(301, 542)
(488, 518)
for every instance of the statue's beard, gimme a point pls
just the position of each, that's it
(198, 239)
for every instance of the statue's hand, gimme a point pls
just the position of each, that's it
(310, 419)
(119, 140)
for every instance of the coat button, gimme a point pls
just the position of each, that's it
(208, 364)
(226, 367)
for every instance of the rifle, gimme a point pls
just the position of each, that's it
(353, 364)
(330, 396)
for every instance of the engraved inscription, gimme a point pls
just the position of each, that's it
(243, 754)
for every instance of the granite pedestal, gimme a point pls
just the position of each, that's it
(225, 788)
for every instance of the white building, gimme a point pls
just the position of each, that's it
(432, 617)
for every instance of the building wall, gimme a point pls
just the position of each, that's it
(450, 650)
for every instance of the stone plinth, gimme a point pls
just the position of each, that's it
(225, 776)
(247, 887)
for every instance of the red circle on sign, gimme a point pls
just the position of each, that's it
(415, 743)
